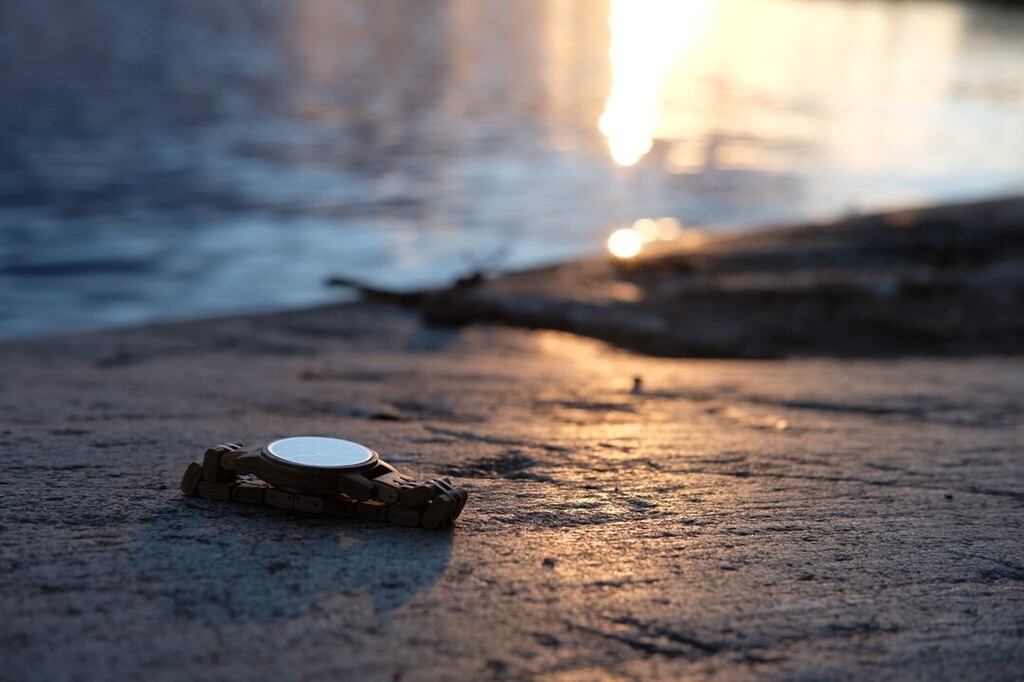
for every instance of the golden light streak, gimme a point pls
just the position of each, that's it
(648, 38)
(773, 85)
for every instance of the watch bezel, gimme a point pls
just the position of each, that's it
(370, 462)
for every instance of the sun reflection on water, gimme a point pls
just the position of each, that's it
(627, 242)
(648, 38)
(721, 85)
(624, 243)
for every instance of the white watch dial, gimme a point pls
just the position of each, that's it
(318, 451)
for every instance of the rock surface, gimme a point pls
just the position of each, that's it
(801, 519)
(945, 280)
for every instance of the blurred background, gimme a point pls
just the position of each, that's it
(177, 159)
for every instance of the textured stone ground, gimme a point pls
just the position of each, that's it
(736, 520)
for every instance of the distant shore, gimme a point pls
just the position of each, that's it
(941, 280)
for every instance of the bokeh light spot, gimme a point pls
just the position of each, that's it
(624, 243)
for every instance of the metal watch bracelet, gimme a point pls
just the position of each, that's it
(395, 498)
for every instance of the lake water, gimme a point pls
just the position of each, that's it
(164, 160)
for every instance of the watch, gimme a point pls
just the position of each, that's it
(321, 475)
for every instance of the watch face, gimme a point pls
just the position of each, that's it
(317, 451)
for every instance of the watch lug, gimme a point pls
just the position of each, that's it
(215, 468)
(247, 463)
(355, 485)
(379, 468)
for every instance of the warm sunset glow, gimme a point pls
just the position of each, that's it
(648, 38)
(671, 61)
(647, 230)
(624, 243)
(627, 242)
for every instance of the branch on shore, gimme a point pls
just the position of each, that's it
(943, 280)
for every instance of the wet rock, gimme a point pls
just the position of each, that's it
(946, 281)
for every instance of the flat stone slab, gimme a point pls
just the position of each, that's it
(801, 519)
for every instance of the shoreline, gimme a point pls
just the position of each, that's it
(596, 273)
(942, 280)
